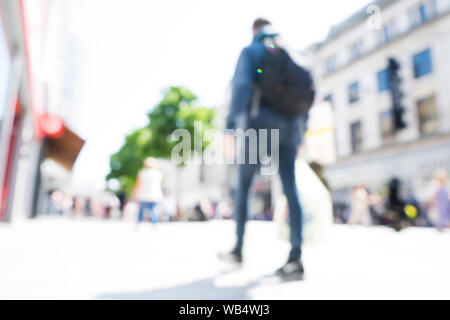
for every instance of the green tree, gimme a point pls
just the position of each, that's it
(177, 110)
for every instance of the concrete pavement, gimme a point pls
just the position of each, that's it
(94, 259)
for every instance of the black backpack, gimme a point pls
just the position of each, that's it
(285, 86)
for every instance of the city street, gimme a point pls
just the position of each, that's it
(96, 259)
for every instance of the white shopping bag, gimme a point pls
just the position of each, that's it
(316, 204)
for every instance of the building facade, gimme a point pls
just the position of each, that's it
(350, 68)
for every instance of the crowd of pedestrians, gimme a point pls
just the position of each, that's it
(397, 206)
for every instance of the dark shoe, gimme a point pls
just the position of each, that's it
(233, 257)
(291, 271)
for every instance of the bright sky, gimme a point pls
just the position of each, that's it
(131, 50)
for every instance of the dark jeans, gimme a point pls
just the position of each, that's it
(287, 158)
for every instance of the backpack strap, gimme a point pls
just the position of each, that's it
(256, 101)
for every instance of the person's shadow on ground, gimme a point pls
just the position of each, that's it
(204, 289)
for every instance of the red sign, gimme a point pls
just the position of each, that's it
(51, 125)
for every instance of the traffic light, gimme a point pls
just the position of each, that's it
(397, 95)
(399, 122)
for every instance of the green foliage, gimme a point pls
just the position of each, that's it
(177, 110)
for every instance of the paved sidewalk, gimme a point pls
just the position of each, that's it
(95, 259)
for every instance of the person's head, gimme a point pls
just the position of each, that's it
(258, 24)
(151, 163)
(441, 177)
(394, 183)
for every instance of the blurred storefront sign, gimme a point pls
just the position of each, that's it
(64, 148)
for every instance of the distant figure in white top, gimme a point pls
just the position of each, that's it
(148, 189)
(360, 206)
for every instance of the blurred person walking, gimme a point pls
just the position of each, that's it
(148, 189)
(360, 206)
(88, 207)
(413, 210)
(270, 91)
(395, 208)
(440, 203)
(67, 205)
(51, 204)
(199, 213)
(376, 207)
(122, 201)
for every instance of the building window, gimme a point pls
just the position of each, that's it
(331, 64)
(422, 64)
(356, 50)
(422, 13)
(428, 116)
(329, 98)
(386, 126)
(356, 136)
(353, 92)
(388, 32)
(383, 80)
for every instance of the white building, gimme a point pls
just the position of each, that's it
(350, 71)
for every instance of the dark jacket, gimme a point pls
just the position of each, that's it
(249, 61)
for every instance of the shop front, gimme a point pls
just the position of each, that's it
(414, 164)
(10, 115)
(30, 131)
